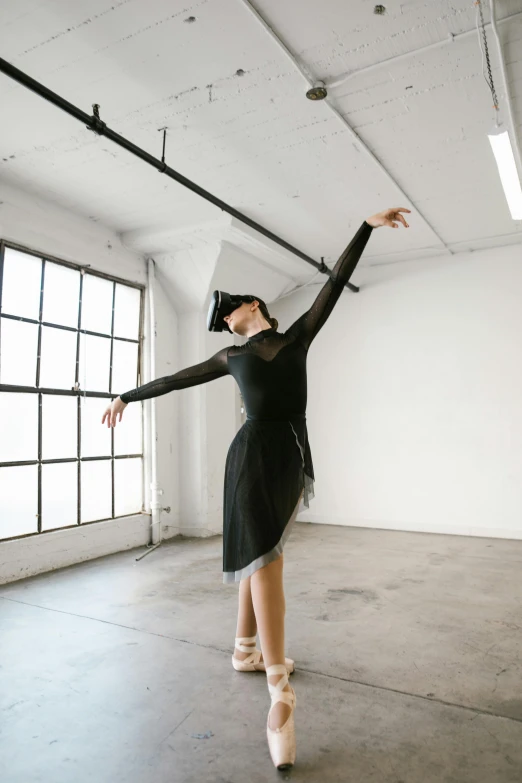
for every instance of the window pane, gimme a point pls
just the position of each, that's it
(58, 358)
(97, 304)
(18, 427)
(127, 486)
(59, 495)
(61, 295)
(124, 366)
(59, 427)
(95, 356)
(96, 497)
(18, 348)
(127, 432)
(21, 285)
(127, 312)
(95, 436)
(18, 501)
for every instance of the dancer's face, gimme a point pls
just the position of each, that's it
(241, 319)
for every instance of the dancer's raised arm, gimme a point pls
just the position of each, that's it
(308, 325)
(214, 367)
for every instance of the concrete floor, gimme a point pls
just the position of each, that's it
(407, 647)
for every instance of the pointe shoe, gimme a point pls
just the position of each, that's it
(253, 662)
(281, 741)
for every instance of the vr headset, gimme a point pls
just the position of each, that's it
(223, 304)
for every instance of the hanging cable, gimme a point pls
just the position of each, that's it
(485, 53)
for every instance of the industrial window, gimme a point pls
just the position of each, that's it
(69, 341)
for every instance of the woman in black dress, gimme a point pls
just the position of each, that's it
(269, 473)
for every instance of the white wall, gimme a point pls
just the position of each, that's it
(415, 397)
(51, 230)
(167, 407)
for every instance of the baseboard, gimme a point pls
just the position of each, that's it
(457, 529)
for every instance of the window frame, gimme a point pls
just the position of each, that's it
(84, 269)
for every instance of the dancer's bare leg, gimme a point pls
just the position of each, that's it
(246, 617)
(266, 585)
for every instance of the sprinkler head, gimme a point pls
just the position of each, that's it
(317, 92)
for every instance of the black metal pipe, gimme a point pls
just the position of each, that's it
(95, 124)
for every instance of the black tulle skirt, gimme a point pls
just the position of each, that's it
(269, 478)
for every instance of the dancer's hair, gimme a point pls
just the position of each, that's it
(274, 323)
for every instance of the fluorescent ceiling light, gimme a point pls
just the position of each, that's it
(503, 152)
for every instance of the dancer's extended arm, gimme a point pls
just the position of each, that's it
(308, 325)
(214, 367)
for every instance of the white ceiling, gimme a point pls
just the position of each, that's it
(254, 140)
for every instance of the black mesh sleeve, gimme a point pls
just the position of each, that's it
(308, 325)
(214, 367)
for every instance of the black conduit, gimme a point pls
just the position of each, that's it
(95, 124)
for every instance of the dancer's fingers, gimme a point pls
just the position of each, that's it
(395, 214)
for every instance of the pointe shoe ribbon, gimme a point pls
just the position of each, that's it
(281, 741)
(253, 662)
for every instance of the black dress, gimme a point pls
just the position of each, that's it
(269, 474)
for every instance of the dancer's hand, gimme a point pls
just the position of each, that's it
(117, 406)
(387, 217)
